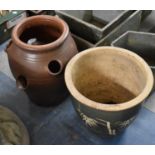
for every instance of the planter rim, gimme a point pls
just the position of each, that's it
(106, 107)
(45, 18)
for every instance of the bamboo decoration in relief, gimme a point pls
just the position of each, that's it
(95, 122)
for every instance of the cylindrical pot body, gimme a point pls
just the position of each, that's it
(108, 85)
(40, 48)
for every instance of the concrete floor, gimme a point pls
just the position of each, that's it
(44, 124)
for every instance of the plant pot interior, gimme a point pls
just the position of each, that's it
(108, 76)
(40, 32)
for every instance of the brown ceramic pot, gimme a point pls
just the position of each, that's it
(40, 48)
(108, 85)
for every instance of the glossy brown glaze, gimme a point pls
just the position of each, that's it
(40, 48)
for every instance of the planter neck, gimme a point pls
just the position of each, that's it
(61, 30)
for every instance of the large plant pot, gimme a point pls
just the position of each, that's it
(108, 85)
(40, 49)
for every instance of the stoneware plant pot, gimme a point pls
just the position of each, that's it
(108, 85)
(40, 48)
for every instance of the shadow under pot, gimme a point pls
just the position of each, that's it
(40, 48)
(108, 85)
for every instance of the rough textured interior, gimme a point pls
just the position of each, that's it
(40, 34)
(108, 77)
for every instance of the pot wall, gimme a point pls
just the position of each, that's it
(107, 94)
(105, 123)
(40, 72)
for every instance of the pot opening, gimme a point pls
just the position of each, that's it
(21, 82)
(108, 77)
(54, 67)
(41, 33)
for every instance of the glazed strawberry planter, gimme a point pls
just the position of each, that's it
(40, 48)
(108, 85)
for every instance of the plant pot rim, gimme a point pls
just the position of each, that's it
(106, 107)
(45, 18)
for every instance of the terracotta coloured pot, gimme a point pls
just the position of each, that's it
(40, 48)
(108, 85)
